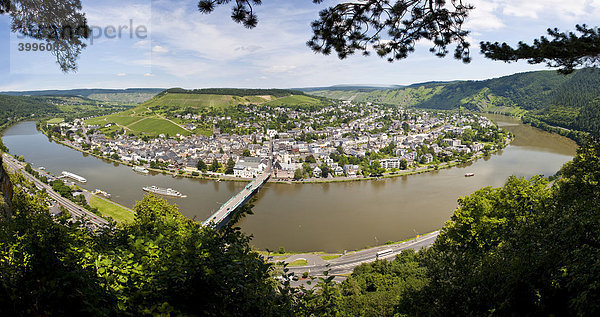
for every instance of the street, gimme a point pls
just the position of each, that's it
(75, 210)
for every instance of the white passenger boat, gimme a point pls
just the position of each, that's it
(140, 169)
(163, 191)
(74, 177)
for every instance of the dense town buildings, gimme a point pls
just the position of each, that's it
(343, 139)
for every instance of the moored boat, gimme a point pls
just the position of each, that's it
(102, 193)
(74, 177)
(469, 174)
(140, 169)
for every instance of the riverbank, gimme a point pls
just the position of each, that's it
(223, 177)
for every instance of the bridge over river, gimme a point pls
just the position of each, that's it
(224, 214)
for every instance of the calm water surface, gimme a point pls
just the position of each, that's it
(330, 217)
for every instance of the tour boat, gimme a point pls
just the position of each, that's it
(163, 191)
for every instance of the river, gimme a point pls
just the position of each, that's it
(329, 216)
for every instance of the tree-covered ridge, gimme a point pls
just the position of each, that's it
(13, 107)
(112, 96)
(548, 96)
(16, 108)
(82, 92)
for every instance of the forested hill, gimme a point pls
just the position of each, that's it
(565, 101)
(123, 96)
(82, 92)
(17, 107)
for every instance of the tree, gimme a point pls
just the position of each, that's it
(214, 167)
(246, 153)
(565, 50)
(60, 187)
(391, 29)
(201, 165)
(157, 265)
(298, 174)
(325, 171)
(230, 165)
(59, 23)
(526, 248)
(403, 164)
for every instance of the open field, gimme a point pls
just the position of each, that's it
(157, 126)
(112, 210)
(294, 100)
(55, 120)
(140, 120)
(202, 100)
(118, 119)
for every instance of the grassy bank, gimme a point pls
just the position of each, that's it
(113, 210)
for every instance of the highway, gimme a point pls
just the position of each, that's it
(75, 210)
(346, 263)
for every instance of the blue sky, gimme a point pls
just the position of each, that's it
(184, 48)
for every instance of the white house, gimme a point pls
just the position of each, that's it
(317, 172)
(249, 167)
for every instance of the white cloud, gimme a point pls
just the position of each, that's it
(121, 74)
(142, 43)
(280, 68)
(148, 75)
(160, 49)
(484, 17)
(535, 9)
(250, 48)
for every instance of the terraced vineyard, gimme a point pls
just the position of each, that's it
(158, 115)
(140, 120)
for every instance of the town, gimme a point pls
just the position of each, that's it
(334, 142)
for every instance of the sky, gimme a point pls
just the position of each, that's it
(174, 45)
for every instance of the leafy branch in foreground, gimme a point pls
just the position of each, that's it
(241, 12)
(391, 30)
(564, 50)
(59, 23)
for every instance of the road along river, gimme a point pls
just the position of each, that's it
(330, 216)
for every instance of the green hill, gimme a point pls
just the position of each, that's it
(548, 96)
(122, 96)
(203, 100)
(14, 108)
(162, 114)
(295, 101)
(225, 97)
